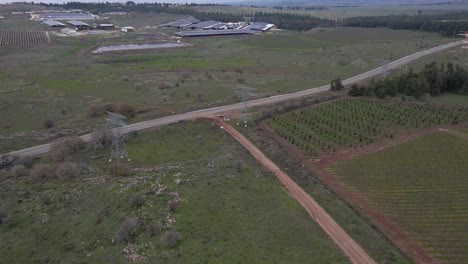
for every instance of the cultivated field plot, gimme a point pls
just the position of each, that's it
(420, 185)
(23, 38)
(357, 122)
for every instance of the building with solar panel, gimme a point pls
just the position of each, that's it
(78, 24)
(259, 26)
(208, 33)
(62, 16)
(52, 23)
(182, 22)
(204, 25)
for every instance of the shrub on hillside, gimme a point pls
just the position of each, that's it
(172, 205)
(48, 124)
(9, 221)
(152, 229)
(137, 200)
(68, 171)
(127, 231)
(63, 147)
(121, 168)
(43, 173)
(17, 171)
(126, 109)
(3, 215)
(170, 238)
(96, 110)
(101, 137)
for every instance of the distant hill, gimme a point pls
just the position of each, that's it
(341, 2)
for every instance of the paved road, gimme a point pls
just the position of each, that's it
(42, 149)
(349, 247)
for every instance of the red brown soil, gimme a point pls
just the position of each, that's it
(349, 247)
(406, 244)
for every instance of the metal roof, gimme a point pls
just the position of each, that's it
(263, 26)
(77, 23)
(220, 26)
(183, 22)
(65, 16)
(202, 33)
(205, 24)
(52, 23)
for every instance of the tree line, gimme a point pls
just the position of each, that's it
(433, 79)
(446, 24)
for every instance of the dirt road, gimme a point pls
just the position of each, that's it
(350, 248)
(42, 149)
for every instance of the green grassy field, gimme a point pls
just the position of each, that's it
(227, 213)
(450, 99)
(421, 186)
(352, 122)
(70, 79)
(337, 12)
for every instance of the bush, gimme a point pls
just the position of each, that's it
(152, 229)
(164, 86)
(126, 109)
(172, 205)
(127, 231)
(62, 148)
(96, 110)
(7, 161)
(26, 161)
(48, 124)
(3, 215)
(170, 238)
(46, 199)
(9, 221)
(137, 200)
(17, 171)
(101, 137)
(185, 75)
(241, 80)
(43, 173)
(68, 171)
(121, 168)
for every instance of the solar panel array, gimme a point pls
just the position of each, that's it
(205, 24)
(65, 16)
(261, 26)
(77, 23)
(183, 22)
(52, 23)
(205, 33)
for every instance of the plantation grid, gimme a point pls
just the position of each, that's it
(421, 185)
(23, 38)
(357, 122)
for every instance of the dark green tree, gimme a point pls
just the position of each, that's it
(336, 85)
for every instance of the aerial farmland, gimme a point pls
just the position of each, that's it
(292, 132)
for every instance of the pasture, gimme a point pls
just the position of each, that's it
(421, 186)
(351, 123)
(71, 80)
(229, 208)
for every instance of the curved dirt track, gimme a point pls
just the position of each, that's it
(349, 247)
(43, 149)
